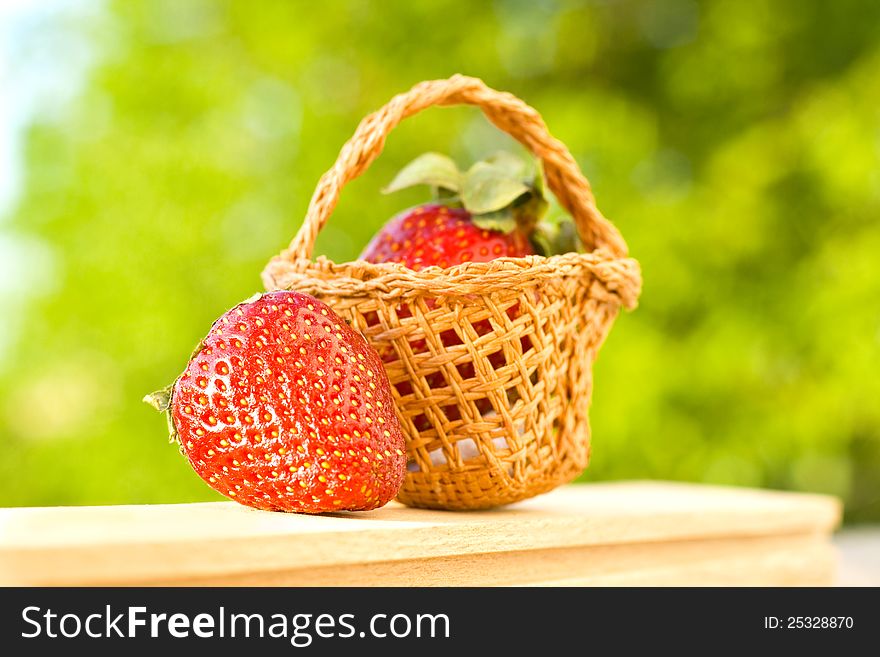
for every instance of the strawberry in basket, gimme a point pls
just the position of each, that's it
(492, 210)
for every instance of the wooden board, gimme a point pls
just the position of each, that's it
(619, 533)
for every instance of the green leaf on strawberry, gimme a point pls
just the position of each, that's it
(431, 169)
(493, 209)
(489, 188)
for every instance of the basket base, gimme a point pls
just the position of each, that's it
(484, 489)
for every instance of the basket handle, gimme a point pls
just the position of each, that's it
(507, 112)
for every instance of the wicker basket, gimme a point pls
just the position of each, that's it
(491, 363)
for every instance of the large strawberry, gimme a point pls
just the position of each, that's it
(492, 210)
(284, 407)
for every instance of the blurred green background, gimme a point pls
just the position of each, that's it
(165, 150)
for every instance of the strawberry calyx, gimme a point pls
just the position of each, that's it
(554, 237)
(502, 193)
(161, 401)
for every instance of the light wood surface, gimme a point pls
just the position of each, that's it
(620, 533)
(858, 551)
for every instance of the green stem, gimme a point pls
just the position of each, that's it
(161, 401)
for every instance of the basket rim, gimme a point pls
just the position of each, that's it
(619, 276)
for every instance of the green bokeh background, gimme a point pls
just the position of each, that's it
(735, 144)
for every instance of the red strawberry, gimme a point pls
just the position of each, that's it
(434, 234)
(488, 212)
(284, 407)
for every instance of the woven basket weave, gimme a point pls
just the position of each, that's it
(490, 363)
